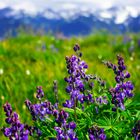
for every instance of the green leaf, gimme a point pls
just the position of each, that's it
(69, 110)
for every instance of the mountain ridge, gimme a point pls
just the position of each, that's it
(77, 24)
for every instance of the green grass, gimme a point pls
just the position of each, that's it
(26, 64)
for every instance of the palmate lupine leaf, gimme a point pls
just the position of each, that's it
(132, 105)
(71, 111)
(46, 128)
(111, 125)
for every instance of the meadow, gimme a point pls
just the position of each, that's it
(28, 61)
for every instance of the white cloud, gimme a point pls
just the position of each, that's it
(2, 4)
(133, 3)
(69, 6)
(134, 12)
(27, 7)
(105, 14)
(121, 17)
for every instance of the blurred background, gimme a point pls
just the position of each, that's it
(69, 17)
(36, 35)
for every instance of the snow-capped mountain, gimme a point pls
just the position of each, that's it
(83, 21)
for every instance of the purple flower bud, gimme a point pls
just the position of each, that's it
(8, 109)
(28, 103)
(76, 48)
(96, 133)
(91, 137)
(117, 78)
(8, 120)
(122, 106)
(80, 97)
(72, 125)
(68, 103)
(102, 136)
(96, 109)
(7, 132)
(80, 54)
(114, 109)
(40, 93)
(8, 113)
(68, 89)
(91, 85)
(136, 130)
(127, 75)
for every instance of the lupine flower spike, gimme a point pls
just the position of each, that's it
(123, 89)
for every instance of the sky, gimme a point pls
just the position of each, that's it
(34, 6)
(69, 6)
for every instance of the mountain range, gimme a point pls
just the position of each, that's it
(114, 20)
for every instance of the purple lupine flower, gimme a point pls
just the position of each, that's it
(17, 131)
(101, 82)
(41, 110)
(55, 89)
(96, 133)
(69, 103)
(76, 48)
(55, 113)
(7, 132)
(28, 103)
(76, 80)
(123, 89)
(8, 109)
(62, 117)
(24, 135)
(68, 89)
(40, 93)
(136, 130)
(32, 130)
(89, 98)
(71, 125)
(80, 98)
(65, 131)
(101, 100)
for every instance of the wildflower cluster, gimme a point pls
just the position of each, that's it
(122, 90)
(65, 130)
(17, 131)
(96, 133)
(40, 110)
(136, 130)
(77, 80)
(76, 118)
(40, 93)
(101, 100)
